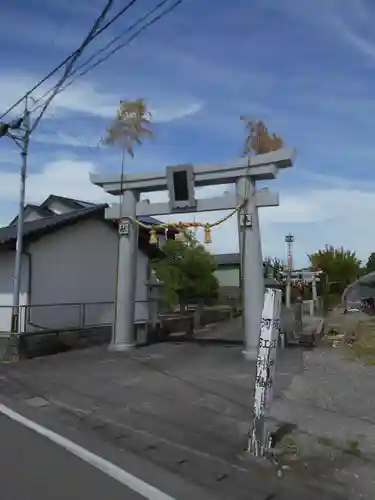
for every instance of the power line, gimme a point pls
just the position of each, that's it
(65, 61)
(127, 42)
(91, 149)
(118, 37)
(110, 43)
(77, 51)
(107, 46)
(86, 69)
(59, 87)
(71, 62)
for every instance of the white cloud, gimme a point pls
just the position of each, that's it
(362, 44)
(65, 139)
(349, 19)
(8, 155)
(170, 113)
(83, 97)
(324, 216)
(64, 178)
(328, 215)
(86, 98)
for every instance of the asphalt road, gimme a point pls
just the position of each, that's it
(34, 468)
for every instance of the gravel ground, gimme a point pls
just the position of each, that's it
(332, 406)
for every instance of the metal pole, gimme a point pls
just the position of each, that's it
(20, 223)
(289, 239)
(314, 292)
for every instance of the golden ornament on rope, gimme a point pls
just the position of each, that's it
(181, 226)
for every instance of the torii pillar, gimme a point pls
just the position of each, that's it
(251, 260)
(180, 181)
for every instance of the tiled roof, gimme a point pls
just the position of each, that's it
(42, 211)
(50, 221)
(8, 234)
(70, 202)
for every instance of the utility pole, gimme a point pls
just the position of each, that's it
(19, 130)
(23, 142)
(289, 240)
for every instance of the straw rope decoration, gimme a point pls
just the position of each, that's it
(181, 226)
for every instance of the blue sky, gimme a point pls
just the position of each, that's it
(306, 67)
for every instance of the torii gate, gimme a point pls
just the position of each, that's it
(180, 181)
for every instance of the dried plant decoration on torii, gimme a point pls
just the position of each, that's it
(258, 140)
(131, 125)
(181, 182)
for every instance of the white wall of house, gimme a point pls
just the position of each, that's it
(6, 287)
(71, 266)
(228, 276)
(77, 265)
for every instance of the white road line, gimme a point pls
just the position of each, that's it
(112, 470)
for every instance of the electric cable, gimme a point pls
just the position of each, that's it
(93, 150)
(71, 62)
(103, 49)
(86, 70)
(77, 51)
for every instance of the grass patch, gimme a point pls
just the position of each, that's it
(352, 448)
(330, 301)
(363, 345)
(289, 444)
(324, 441)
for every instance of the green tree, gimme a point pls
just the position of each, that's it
(190, 238)
(187, 271)
(340, 266)
(370, 265)
(273, 267)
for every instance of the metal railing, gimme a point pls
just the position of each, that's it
(63, 316)
(67, 316)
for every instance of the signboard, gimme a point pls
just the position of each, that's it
(180, 184)
(123, 227)
(265, 370)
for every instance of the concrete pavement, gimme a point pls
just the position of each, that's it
(33, 468)
(43, 436)
(185, 407)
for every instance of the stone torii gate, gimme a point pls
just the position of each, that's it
(180, 181)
